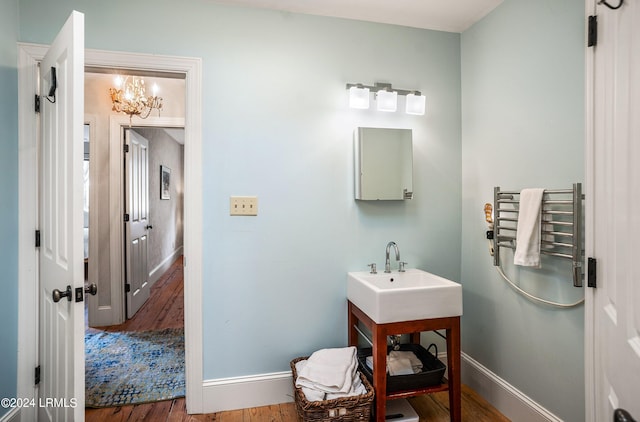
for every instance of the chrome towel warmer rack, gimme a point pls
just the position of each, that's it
(561, 226)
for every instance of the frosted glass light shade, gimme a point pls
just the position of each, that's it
(416, 104)
(387, 100)
(358, 97)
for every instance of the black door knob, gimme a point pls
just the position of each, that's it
(57, 294)
(91, 289)
(621, 415)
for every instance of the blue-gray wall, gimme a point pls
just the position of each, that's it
(523, 108)
(9, 195)
(276, 125)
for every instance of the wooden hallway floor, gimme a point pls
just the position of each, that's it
(165, 309)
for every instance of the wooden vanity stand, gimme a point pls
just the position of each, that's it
(414, 328)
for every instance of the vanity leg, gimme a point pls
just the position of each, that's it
(352, 321)
(415, 338)
(453, 363)
(380, 372)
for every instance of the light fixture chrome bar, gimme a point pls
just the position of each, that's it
(382, 86)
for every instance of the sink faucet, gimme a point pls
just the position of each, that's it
(387, 263)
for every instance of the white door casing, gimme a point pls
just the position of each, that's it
(613, 209)
(28, 57)
(136, 229)
(61, 339)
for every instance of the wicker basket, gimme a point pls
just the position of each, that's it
(344, 409)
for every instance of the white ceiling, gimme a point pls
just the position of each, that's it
(442, 15)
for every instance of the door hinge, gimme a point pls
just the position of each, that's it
(37, 375)
(127, 287)
(592, 31)
(37, 238)
(591, 272)
(126, 218)
(125, 148)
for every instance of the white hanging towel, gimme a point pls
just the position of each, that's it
(528, 230)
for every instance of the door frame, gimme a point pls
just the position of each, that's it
(589, 224)
(29, 55)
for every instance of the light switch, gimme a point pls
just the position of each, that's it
(243, 205)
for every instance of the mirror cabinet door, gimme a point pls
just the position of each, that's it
(383, 164)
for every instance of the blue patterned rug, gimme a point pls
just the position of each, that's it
(133, 367)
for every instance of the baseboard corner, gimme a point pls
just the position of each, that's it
(510, 401)
(161, 268)
(12, 415)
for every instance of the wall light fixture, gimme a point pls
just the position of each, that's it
(416, 104)
(358, 96)
(386, 98)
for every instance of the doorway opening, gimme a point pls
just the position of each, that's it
(140, 299)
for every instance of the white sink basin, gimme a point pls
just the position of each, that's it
(407, 296)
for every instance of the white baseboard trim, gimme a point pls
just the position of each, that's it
(12, 415)
(267, 389)
(250, 391)
(510, 401)
(157, 272)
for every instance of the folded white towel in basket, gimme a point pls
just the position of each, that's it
(528, 229)
(330, 373)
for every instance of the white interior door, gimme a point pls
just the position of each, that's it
(137, 228)
(61, 322)
(616, 207)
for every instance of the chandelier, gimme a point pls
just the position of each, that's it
(129, 97)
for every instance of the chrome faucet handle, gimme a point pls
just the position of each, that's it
(401, 265)
(373, 268)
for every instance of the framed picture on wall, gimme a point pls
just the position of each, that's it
(165, 182)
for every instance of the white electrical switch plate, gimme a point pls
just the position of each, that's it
(243, 205)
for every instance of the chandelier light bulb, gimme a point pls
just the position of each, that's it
(129, 97)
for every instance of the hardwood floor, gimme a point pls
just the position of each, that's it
(165, 309)
(430, 408)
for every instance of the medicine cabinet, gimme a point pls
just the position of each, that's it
(383, 164)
